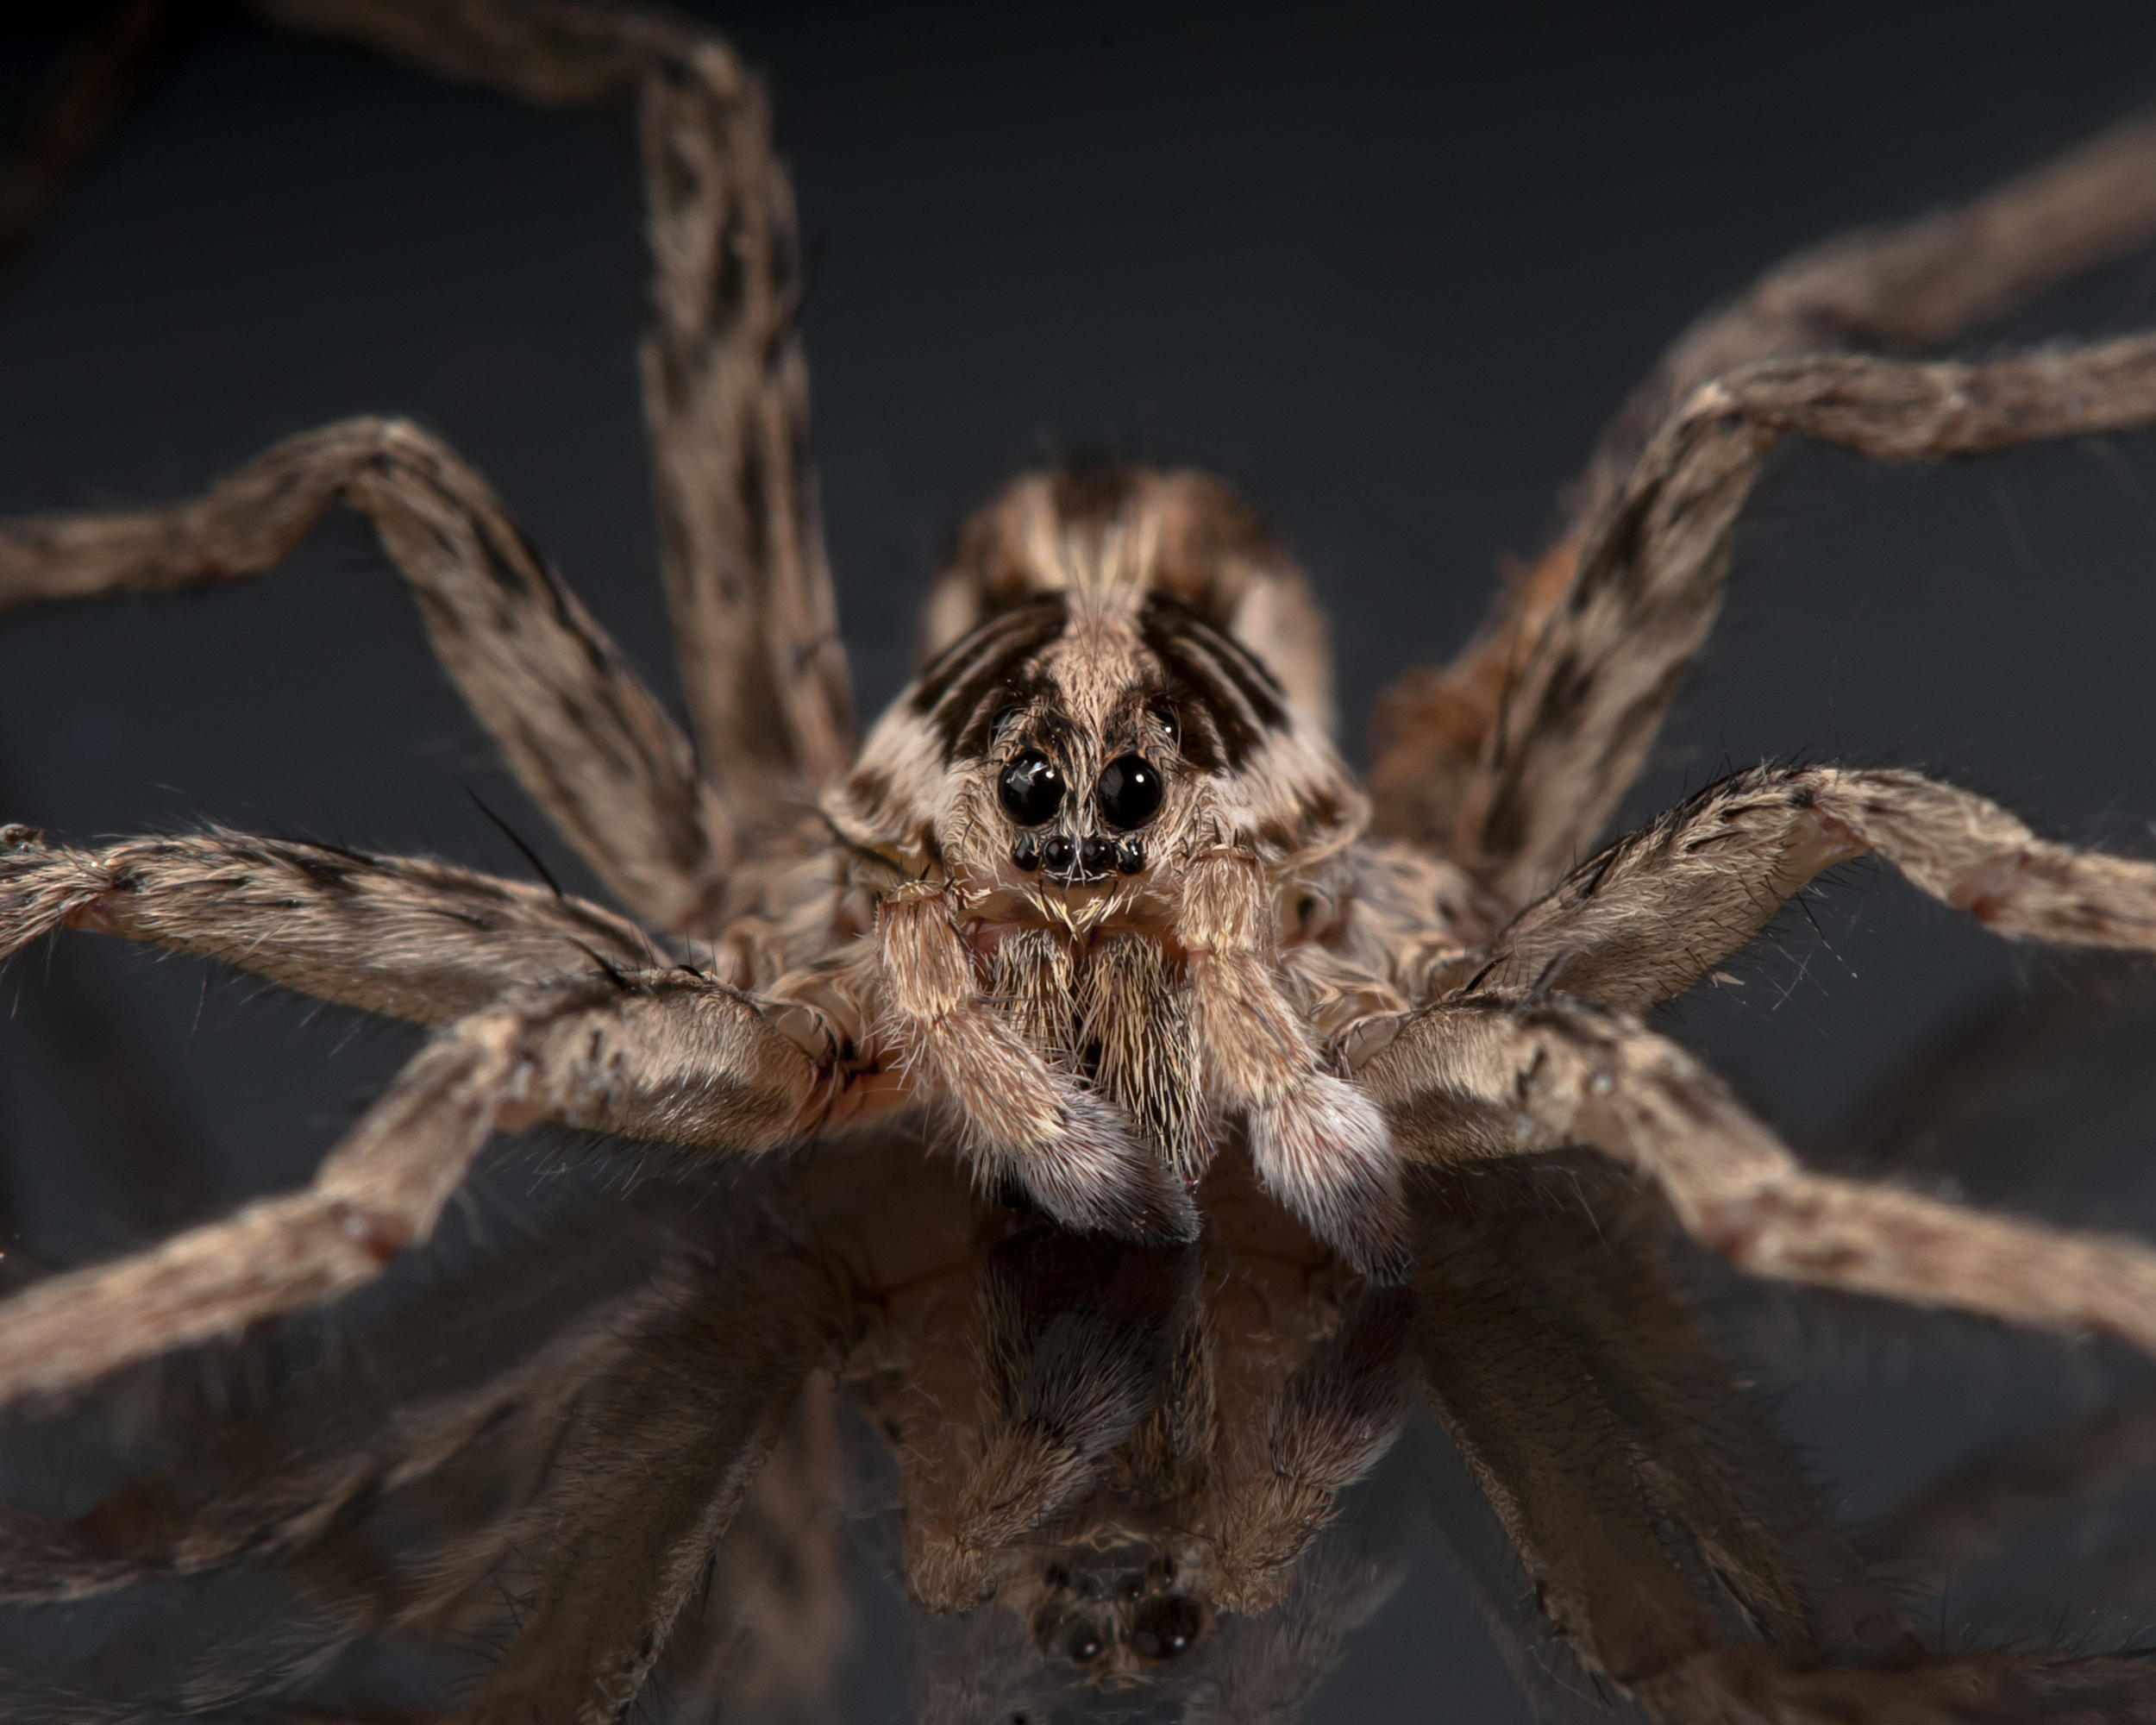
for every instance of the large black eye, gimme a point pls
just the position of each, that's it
(1165, 1628)
(1031, 788)
(1129, 792)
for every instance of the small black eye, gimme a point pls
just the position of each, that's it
(1129, 792)
(1031, 788)
(1086, 1643)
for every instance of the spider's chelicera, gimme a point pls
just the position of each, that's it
(1096, 906)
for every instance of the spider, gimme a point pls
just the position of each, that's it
(1097, 896)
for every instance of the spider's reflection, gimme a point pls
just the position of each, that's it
(1109, 1462)
(1113, 1473)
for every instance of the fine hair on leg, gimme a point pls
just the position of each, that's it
(1903, 286)
(584, 737)
(1490, 1076)
(1652, 914)
(665, 1056)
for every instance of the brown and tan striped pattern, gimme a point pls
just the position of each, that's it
(1094, 909)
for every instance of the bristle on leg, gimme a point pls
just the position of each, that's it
(1097, 1176)
(1324, 1152)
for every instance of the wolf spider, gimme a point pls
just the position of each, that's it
(1096, 903)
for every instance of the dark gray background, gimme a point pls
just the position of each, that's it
(1386, 268)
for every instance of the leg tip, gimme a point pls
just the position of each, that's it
(1324, 1153)
(1096, 1176)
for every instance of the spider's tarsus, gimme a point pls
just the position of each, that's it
(1324, 1152)
(1098, 1178)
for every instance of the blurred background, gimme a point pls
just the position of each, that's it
(1387, 269)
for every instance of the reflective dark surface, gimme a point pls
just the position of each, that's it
(1013, 1475)
(1388, 274)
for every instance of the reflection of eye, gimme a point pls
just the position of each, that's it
(1031, 788)
(1129, 792)
(1165, 1628)
(1086, 1643)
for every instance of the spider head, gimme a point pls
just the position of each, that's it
(1126, 671)
(1116, 1614)
(1078, 804)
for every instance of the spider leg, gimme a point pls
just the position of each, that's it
(1326, 1427)
(1650, 915)
(1905, 287)
(1745, 1683)
(105, 70)
(1266, 1667)
(1074, 1350)
(151, 1158)
(1962, 1103)
(516, 1340)
(594, 748)
(1647, 1498)
(1318, 1146)
(725, 381)
(410, 937)
(1484, 1076)
(1651, 1503)
(771, 1636)
(655, 1471)
(1588, 698)
(1075, 1155)
(666, 1055)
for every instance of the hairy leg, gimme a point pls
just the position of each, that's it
(666, 1055)
(653, 1472)
(1577, 721)
(151, 1158)
(1658, 910)
(1325, 1428)
(1485, 1076)
(1074, 1155)
(1319, 1148)
(516, 1340)
(1671, 1541)
(1647, 1498)
(1962, 1102)
(1074, 1350)
(595, 750)
(771, 1635)
(97, 79)
(1264, 1668)
(725, 381)
(1905, 287)
(407, 937)
(273, 1489)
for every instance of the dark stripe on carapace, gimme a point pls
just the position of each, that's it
(969, 673)
(1254, 676)
(1209, 668)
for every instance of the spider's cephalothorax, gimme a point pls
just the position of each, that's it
(1119, 814)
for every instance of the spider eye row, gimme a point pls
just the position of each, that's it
(1128, 793)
